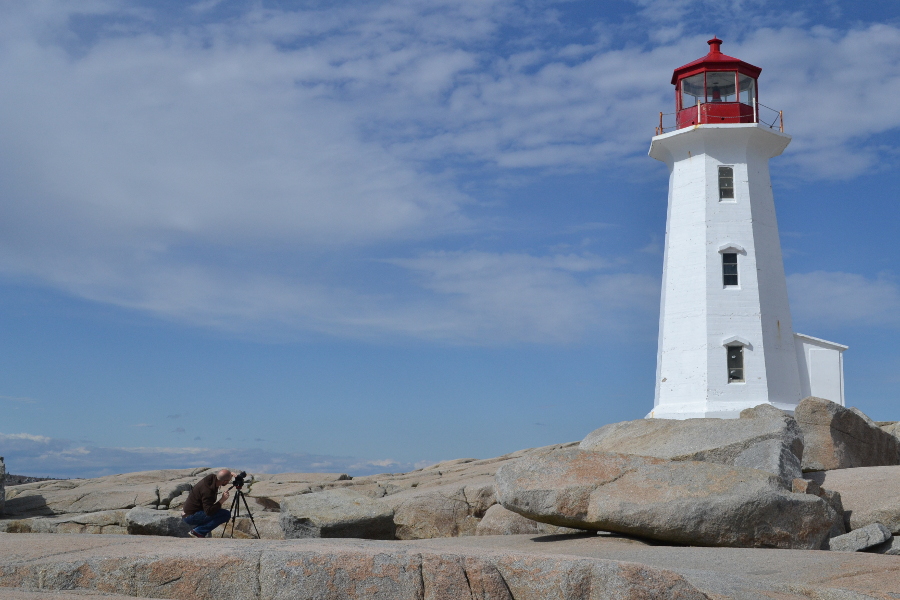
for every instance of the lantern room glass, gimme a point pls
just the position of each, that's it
(747, 87)
(691, 91)
(720, 86)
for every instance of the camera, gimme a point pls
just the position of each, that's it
(239, 480)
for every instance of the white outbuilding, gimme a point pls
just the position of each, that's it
(726, 341)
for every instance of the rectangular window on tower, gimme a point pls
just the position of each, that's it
(726, 183)
(735, 363)
(729, 269)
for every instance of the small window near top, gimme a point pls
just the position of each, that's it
(735, 363)
(726, 183)
(729, 269)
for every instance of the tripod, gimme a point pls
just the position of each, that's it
(236, 512)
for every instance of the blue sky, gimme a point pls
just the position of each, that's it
(285, 236)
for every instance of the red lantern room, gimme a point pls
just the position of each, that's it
(716, 89)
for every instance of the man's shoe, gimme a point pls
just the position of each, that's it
(193, 533)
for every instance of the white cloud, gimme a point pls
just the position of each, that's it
(836, 298)
(835, 89)
(489, 296)
(239, 173)
(40, 456)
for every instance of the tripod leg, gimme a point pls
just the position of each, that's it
(235, 509)
(250, 514)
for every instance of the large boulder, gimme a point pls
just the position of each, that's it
(451, 510)
(836, 437)
(762, 438)
(337, 513)
(141, 520)
(869, 494)
(860, 539)
(687, 502)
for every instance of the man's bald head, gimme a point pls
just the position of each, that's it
(224, 476)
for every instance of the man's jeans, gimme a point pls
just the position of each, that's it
(203, 524)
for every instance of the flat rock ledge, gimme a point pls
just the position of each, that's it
(519, 567)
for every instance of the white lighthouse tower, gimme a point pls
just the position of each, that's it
(726, 341)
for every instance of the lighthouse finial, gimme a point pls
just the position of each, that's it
(714, 45)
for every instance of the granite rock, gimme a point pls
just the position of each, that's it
(500, 521)
(860, 539)
(808, 486)
(892, 427)
(107, 522)
(177, 503)
(141, 520)
(113, 492)
(890, 547)
(836, 437)
(441, 511)
(444, 499)
(336, 514)
(470, 568)
(868, 494)
(687, 502)
(762, 438)
(329, 570)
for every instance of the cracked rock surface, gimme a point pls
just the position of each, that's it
(494, 567)
(762, 438)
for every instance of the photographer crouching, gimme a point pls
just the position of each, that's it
(201, 509)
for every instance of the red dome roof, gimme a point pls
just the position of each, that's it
(715, 61)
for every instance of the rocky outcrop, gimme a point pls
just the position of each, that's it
(441, 511)
(114, 492)
(842, 438)
(860, 539)
(141, 520)
(469, 568)
(445, 499)
(187, 569)
(109, 521)
(869, 494)
(336, 514)
(685, 502)
(2, 485)
(762, 438)
(500, 521)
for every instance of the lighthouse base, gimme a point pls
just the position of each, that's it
(712, 410)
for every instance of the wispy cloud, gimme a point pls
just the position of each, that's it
(40, 456)
(836, 298)
(240, 172)
(492, 296)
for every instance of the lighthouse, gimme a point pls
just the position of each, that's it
(726, 340)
